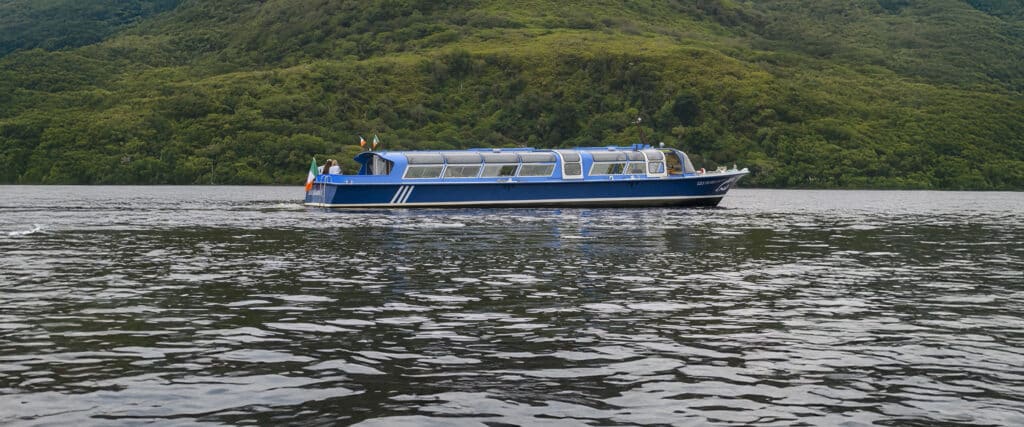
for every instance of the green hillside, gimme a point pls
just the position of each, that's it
(60, 24)
(807, 93)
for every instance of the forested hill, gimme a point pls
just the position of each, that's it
(60, 24)
(807, 93)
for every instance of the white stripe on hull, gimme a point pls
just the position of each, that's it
(400, 197)
(397, 194)
(407, 194)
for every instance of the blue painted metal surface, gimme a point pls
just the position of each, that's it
(642, 179)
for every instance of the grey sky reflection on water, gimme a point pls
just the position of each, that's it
(236, 304)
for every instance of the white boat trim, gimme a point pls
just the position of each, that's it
(503, 202)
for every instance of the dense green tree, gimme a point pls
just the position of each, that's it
(807, 93)
(62, 24)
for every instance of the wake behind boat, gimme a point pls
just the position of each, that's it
(637, 175)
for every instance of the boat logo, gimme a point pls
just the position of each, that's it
(402, 195)
(725, 185)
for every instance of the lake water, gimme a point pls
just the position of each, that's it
(236, 305)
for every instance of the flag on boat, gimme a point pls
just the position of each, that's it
(362, 142)
(375, 141)
(312, 175)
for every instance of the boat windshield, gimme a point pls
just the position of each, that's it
(379, 166)
(687, 166)
(674, 163)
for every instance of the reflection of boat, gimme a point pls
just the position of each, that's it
(595, 176)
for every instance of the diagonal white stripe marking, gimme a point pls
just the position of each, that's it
(408, 193)
(401, 194)
(408, 189)
(398, 192)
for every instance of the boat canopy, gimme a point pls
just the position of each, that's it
(424, 158)
(462, 158)
(527, 162)
(569, 156)
(537, 157)
(500, 157)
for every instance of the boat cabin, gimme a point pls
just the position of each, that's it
(525, 164)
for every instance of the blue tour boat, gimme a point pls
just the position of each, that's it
(637, 175)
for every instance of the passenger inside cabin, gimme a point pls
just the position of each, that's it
(675, 167)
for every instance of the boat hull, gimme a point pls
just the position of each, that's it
(706, 190)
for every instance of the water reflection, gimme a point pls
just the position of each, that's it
(216, 305)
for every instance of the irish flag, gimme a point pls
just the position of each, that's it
(312, 175)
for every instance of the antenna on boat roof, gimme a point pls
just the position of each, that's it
(643, 138)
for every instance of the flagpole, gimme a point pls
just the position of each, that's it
(643, 138)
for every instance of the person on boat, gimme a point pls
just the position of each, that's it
(320, 169)
(326, 168)
(335, 168)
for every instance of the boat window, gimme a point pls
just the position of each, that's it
(462, 158)
(533, 169)
(380, 166)
(687, 166)
(569, 156)
(500, 157)
(573, 169)
(537, 157)
(675, 167)
(425, 171)
(654, 155)
(572, 166)
(655, 168)
(608, 156)
(634, 155)
(492, 171)
(606, 168)
(461, 171)
(424, 158)
(636, 168)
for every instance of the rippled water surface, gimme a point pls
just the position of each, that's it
(236, 305)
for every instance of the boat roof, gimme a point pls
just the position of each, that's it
(476, 155)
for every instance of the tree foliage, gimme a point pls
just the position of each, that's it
(61, 24)
(822, 93)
